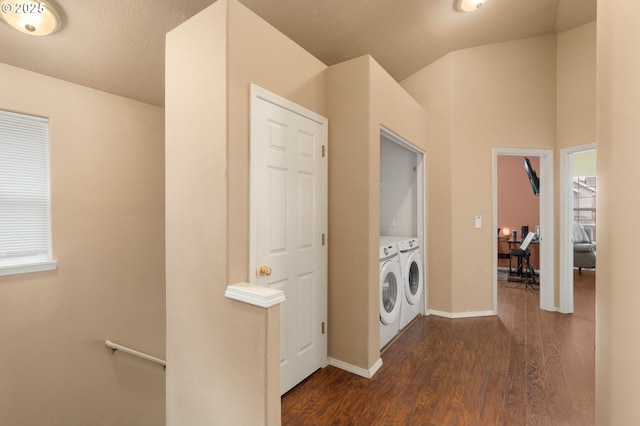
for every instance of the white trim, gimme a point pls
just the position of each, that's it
(547, 232)
(566, 232)
(389, 134)
(258, 92)
(26, 268)
(454, 315)
(422, 209)
(257, 295)
(422, 229)
(494, 225)
(367, 374)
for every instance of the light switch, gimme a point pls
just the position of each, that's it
(478, 221)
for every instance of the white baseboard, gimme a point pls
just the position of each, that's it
(461, 314)
(367, 374)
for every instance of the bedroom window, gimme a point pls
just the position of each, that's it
(25, 222)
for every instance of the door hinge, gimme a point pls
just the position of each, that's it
(322, 239)
(323, 327)
(323, 150)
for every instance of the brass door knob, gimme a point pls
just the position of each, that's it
(264, 271)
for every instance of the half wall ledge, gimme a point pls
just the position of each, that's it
(257, 295)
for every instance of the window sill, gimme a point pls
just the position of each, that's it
(26, 268)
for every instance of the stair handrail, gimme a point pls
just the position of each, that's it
(116, 347)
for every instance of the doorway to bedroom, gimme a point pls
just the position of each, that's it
(530, 210)
(578, 230)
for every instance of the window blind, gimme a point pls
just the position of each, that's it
(24, 189)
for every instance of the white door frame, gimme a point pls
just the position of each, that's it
(258, 93)
(547, 287)
(421, 203)
(566, 219)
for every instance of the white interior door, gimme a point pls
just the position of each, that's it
(288, 210)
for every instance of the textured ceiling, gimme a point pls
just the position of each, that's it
(118, 45)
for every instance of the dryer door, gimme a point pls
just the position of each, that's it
(413, 282)
(390, 291)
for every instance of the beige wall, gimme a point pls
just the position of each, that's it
(202, 378)
(107, 193)
(576, 86)
(350, 271)
(500, 96)
(259, 54)
(393, 108)
(362, 97)
(431, 87)
(576, 103)
(224, 354)
(503, 96)
(617, 293)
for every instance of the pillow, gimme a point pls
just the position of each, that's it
(579, 234)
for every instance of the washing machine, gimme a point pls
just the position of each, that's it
(412, 277)
(390, 293)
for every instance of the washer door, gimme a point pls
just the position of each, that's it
(390, 291)
(413, 280)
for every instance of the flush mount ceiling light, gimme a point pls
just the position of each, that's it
(469, 5)
(37, 18)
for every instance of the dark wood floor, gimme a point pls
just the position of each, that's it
(522, 367)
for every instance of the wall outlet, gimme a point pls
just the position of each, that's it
(391, 222)
(478, 221)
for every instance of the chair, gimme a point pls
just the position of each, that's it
(524, 271)
(584, 249)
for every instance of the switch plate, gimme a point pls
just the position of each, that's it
(478, 221)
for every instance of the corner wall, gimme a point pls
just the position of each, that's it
(207, 367)
(362, 97)
(617, 293)
(107, 219)
(223, 355)
(393, 108)
(576, 86)
(500, 95)
(259, 54)
(351, 274)
(431, 88)
(507, 101)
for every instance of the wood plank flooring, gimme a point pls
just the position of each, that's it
(523, 367)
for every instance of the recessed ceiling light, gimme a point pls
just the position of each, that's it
(469, 5)
(33, 17)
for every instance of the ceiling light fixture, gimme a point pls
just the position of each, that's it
(33, 17)
(469, 5)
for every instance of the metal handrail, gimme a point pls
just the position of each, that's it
(116, 347)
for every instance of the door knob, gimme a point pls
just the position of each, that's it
(264, 271)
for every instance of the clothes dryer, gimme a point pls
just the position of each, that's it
(391, 293)
(412, 277)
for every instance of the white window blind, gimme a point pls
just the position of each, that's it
(24, 190)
